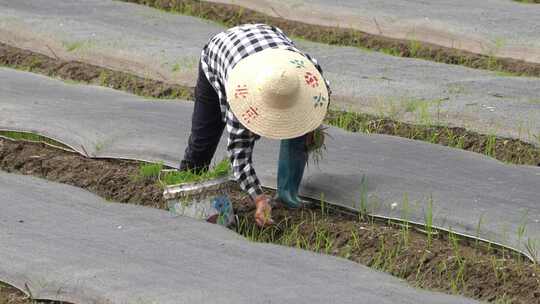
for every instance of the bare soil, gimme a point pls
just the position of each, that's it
(463, 267)
(11, 295)
(504, 149)
(232, 15)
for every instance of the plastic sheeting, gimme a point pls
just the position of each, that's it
(465, 188)
(499, 27)
(165, 46)
(64, 243)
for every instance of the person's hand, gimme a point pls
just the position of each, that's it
(263, 213)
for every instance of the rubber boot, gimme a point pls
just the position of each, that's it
(291, 165)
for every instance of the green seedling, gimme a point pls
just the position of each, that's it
(420, 265)
(355, 239)
(73, 46)
(363, 211)
(379, 258)
(222, 169)
(521, 230)
(176, 67)
(490, 145)
(405, 215)
(497, 267)
(424, 116)
(414, 48)
(104, 78)
(324, 209)
(410, 106)
(478, 227)
(428, 219)
(456, 89)
(316, 147)
(150, 171)
(532, 249)
(99, 146)
(504, 299)
(457, 279)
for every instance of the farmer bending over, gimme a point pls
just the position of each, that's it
(253, 80)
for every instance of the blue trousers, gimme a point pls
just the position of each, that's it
(206, 127)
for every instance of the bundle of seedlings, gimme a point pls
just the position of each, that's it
(315, 144)
(203, 195)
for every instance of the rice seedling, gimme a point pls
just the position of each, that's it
(405, 215)
(490, 144)
(423, 114)
(504, 299)
(414, 48)
(410, 106)
(363, 210)
(355, 239)
(428, 220)
(434, 138)
(222, 169)
(73, 46)
(324, 209)
(104, 78)
(379, 257)
(532, 249)
(497, 267)
(315, 146)
(478, 227)
(456, 89)
(457, 279)
(344, 120)
(521, 230)
(150, 171)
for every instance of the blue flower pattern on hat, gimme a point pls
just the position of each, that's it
(299, 63)
(319, 100)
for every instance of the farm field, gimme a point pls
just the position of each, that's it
(427, 189)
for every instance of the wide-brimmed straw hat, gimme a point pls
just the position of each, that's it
(277, 93)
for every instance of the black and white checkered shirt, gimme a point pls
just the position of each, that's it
(218, 58)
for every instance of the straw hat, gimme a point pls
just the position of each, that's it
(277, 93)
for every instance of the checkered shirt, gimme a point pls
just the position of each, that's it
(218, 57)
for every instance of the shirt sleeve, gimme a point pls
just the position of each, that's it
(240, 148)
